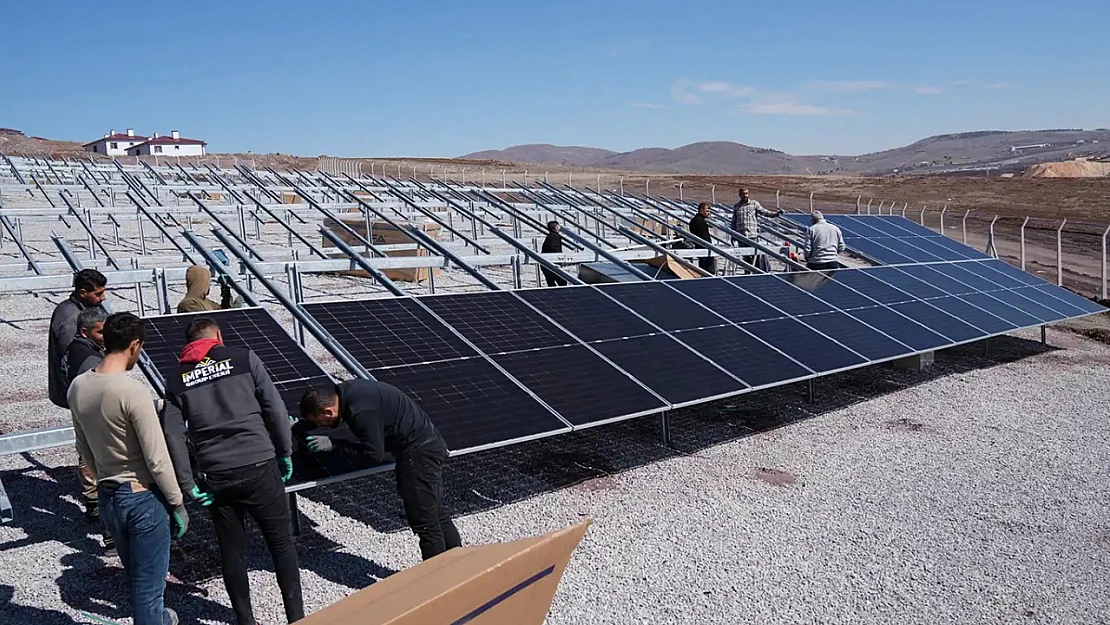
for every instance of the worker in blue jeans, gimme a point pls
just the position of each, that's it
(118, 433)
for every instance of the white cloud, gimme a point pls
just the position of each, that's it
(724, 88)
(682, 90)
(928, 90)
(794, 108)
(647, 105)
(1000, 85)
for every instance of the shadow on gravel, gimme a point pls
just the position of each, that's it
(586, 459)
(15, 613)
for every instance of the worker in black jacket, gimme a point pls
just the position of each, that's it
(552, 244)
(700, 228)
(384, 419)
(224, 402)
(87, 348)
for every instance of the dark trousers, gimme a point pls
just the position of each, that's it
(553, 279)
(823, 266)
(138, 520)
(708, 263)
(419, 472)
(255, 490)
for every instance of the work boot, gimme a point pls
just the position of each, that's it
(109, 546)
(92, 510)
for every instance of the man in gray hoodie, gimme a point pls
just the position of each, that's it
(824, 242)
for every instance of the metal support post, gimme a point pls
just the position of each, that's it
(142, 237)
(431, 281)
(963, 224)
(923, 207)
(1023, 224)
(712, 193)
(811, 203)
(942, 212)
(811, 390)
(869, 200)
(859, 200)
(1060, 254)
(291, 278)
(665, 428)
(1044, 335)
(517, 282)
(990, 251)
(777, 194)
(905, 207)
(138, 291)
(1104, 235)
(162, 291)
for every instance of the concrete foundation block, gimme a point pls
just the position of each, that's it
(917, 362)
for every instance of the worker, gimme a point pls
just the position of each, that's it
(385, 420)
(224, 403)
(117, 431)
(824, 242)
(746, 222)
(552, 244)
(198, 283)
(87, 348)
(700, 228)
(89, 291)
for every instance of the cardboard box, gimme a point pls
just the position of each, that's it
(382, 233)
(500, 584)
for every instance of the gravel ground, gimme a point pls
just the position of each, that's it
(973, 492)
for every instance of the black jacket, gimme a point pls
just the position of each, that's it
(552, 243)
(384, 420)
(82, 355)
(63, 327)
(230, 411)
(699, 228)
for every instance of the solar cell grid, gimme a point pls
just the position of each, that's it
(662, 305)
(973, 315)
(578, 384)
(929, 246)
(780, 293)
(1000, 308)
(937, 279)
(389, 332)
(587, 313)
(471, 403)
(669, 368)
(909, 249)
(1017, 275)
(912, 228)
(876, 252)
(804, 344)
(899, 327)
(497, 322)
(1076, 301)
(856, 335)
(827, 288)
(907, 283)
(957, 331)
(1028, 306)
(873, 288)
(743, 355)
(1037, 294)
(736, 305)
(974, 281)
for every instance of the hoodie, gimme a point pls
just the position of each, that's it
(63, 327)
(198, 281)
(223, 401)
(83, 354)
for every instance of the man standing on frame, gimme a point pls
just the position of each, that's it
(552, 244)
(224, 402)
(384, 419)
(824, 243)
(700, 228)
(745, 220)
(89, 291)
(117, 431)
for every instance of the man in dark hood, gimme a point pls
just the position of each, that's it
(198, 283)
(87, 348)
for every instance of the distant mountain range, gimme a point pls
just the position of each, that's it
(968, 151)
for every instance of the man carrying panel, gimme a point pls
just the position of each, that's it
(384, 419)
(117, 431)
(824, 242)
(89, 291)
(224, 403)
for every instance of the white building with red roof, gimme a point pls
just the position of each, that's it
(173, 145)
(114, 143)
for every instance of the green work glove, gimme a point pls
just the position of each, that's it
(320, 444)
(179, 521)
(204, 498)
(286, 466)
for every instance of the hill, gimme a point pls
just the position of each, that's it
(950, 153)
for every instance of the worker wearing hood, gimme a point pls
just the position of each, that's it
(198, 283)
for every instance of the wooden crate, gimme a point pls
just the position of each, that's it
(382, 233)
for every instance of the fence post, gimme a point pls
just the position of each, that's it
(859, 200)
(942, 212)
(963, 224)
(570, 179)
(599, 184)
(647, 187)
(869, 200)
(713, 193)
(503, 183)
(990, 251)
(680, 183)
(622, 184)
(1060, 254)
(1104, 234)
(777, 205)
(1023, 224)
(811, 202)
(922, 219)
(880, 209)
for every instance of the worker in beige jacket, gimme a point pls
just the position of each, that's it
(198, 283)
(119, 434)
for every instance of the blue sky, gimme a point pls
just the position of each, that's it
(362, 78)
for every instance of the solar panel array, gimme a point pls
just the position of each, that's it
(290, 368)
(895, 240)
(497, 367)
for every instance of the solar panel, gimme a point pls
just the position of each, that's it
(899, 327)
(669, 368)
(937, 279)
(901, 280)
(973, 315)
(804, 344)
(579, 385)
(876, 252)
(389, 332)
(943, 323)
(908, 249)
(1076, 301)
(891, 240)
(471, 403)
(856, 335)
(873, 288)
(726, 300)
(1048, 300)
(780, 294)
(587, 313)
(1000, 308)
(497, 321)
(662, 305)
(1028, 306)
(960, 272)
(826, 288)
(743, 355)
(987, 271)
